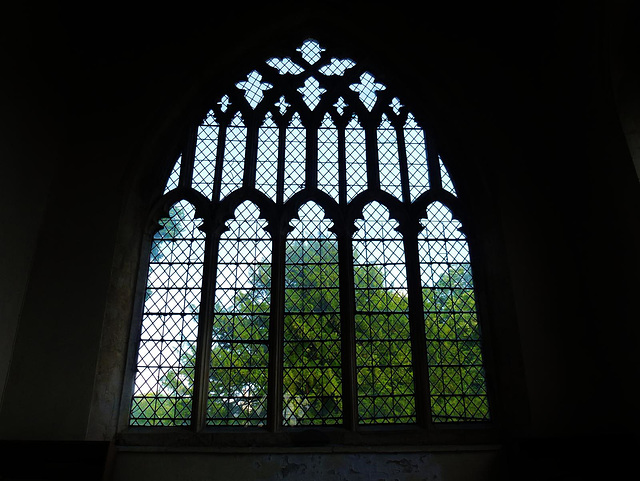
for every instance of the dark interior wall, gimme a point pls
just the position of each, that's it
(522, 100)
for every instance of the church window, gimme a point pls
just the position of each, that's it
(280, 287)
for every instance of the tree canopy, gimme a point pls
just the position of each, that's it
(312, 367)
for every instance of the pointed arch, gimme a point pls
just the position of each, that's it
(241, 313)
(169, 329)
(356, 158)
(382, 333)
(312, 374)
(458, 390)
(388, 158)
(313, 274)
(328, 148)
(234, 156)
(267, 162)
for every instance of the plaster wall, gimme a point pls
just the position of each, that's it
(391, 466)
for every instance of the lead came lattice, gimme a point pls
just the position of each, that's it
(312, 369)
(309, 244)
(383, 343)
(239, 345)
(454, 352)
(166, 354)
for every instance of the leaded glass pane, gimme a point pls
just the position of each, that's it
(285, 66)
(267, 162)
(447, 183)
(239, 345)
(309, 351)
(234, 151)
(367, 90)
(204, 162)
(295, 157)
(384, 368)
(311, 51)
(166, 356)
(356, 159)
(337, 66)
(312, 372)
(416, 149)
(454, 356)
(254, 88)
(388, 160)
(174, 176)
(328, 158)
(311, 92)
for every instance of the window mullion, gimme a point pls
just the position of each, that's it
(217, 181)
(347, 315)
(276, 333)
(416, 325)
(342, 165)
(311, 174)
(186, 165)
(404, 172)
(433, 163)
(371, 145)
(251, 154)
(282, 132)
(205, 327)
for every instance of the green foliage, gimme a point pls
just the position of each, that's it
(383, 349)
(312, 378)
(456, 375)
(312, 374)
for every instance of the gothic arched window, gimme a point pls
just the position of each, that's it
(309, 267)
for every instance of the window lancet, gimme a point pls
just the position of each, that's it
(312, 377)
(267, 163)
(234, 151)
(328, 172)
(295, 157)
(383, 342)
(388, 160)
(454, 351)
(240, 331)
(356, 155)
(204, 164)
(169, 333)
(331, 286)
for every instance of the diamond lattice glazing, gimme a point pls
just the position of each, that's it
(388, 160)
(234, 151)
(239, 345)
(328, 158)
(312, 376)
(295, 156)
(267, 161)
(454, 356)
(416, 150)
(166, 354)
(383, 345)
(204, 162)
(357, 150)
(356, 159)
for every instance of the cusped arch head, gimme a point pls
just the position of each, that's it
(422, 203)
(162, 208)
(393, 206)
(329, 210)
(323, 200)
(440, 212)
(227, 208)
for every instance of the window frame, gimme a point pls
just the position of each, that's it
(351, 433)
